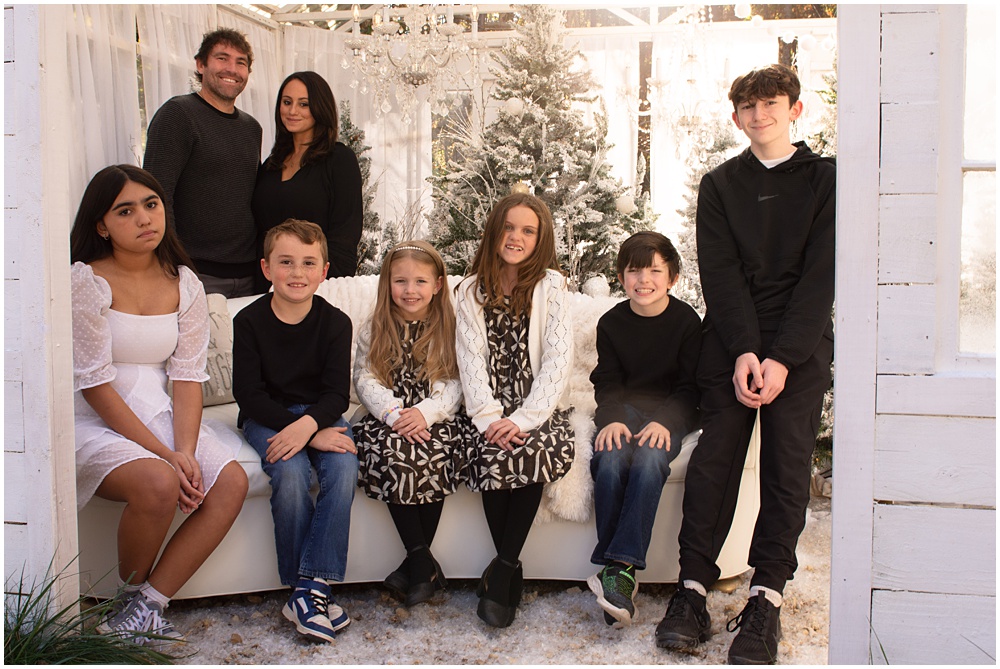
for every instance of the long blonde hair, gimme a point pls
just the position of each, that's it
(434, 350)
(488, 266)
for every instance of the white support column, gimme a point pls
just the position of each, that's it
(858, 137)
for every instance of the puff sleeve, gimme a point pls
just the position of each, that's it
(91, 331)
(189, 359)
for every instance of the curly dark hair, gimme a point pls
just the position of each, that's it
(765, 82)
(233, 38)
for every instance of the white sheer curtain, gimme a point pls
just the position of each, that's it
(611, 59)
(400, 153)
(261, 92)
(169, 36)
(102, 103)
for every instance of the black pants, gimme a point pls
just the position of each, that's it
(788, 429)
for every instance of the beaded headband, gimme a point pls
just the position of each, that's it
(410, 248)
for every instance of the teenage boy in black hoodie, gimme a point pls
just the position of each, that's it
(765, 230)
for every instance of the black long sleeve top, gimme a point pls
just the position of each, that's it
(327, 193)
(648, 362)
(206, 160)
(766, 253)
(277, 365)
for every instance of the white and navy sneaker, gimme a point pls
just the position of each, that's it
(312, 611)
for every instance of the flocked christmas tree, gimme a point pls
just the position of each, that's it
(713, 144)
(541, 142)
(376, 237)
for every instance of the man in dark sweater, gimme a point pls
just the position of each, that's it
(205, 153)
(765, 230)
(647, 399)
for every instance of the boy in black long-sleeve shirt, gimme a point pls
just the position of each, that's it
(291, 378)
(765, 229)
(647, 398)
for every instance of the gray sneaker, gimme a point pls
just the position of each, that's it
(130, 622)
(616, 589)
(159, 626)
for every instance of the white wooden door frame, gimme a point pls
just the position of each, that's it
(858, 139)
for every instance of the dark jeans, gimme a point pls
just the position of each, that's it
(242, 287)
(788, 429)
(628, 483)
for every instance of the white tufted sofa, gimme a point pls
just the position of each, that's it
(558, 547)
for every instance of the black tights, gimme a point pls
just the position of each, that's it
(417, 524)
(509, 513)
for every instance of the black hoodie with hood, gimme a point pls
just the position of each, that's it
(766, 253)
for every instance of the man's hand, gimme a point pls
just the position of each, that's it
(333, 439)
(291, 440)
(612, 435)
(774, 374)
(657, 435)
(747, 380)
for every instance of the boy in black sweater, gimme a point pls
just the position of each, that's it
(647, 399)
(291, 378)
(765, 229)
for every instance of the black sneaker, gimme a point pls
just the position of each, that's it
(616, 587)
(760, 629)
(686, 622)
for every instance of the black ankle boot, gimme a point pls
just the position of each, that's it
(398, 582)
(426, 576)
(494, 603)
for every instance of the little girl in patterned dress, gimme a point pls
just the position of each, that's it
(410, 445)
(514, 345)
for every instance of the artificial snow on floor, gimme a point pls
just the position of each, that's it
(557, 623)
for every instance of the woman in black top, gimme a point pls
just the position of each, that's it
(309, 174)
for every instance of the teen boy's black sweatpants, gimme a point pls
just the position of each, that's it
(789, 426)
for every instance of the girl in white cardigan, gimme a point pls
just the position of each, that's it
(514, 343)
(411, 443)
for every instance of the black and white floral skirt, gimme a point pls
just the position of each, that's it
(547, 453)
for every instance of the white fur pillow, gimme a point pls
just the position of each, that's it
(219, 387)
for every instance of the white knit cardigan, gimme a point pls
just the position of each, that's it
(550, 352)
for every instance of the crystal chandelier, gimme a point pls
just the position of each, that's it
(413, 47)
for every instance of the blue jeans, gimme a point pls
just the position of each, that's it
(310, 541)
(627, 488)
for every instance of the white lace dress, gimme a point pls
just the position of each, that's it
(137, 355)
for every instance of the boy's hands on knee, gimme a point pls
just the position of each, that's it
(654, 435)
(612, 435)
(333, 439)
(748, 380)
(774, 374)
(291, 440)
(411, 425)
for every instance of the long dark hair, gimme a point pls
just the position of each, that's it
(324, 112)
(488, 265)
(86, 245)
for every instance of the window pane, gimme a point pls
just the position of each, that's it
(981, 83)
(977, 304)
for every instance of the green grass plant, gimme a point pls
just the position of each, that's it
(36, 632)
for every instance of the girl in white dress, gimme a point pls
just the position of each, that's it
(140, 318)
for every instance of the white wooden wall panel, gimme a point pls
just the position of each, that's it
(858, 35)
(889, 10)
(11, 234)
(911, 44)
(906, 329)
(15, 551)
(938, 395)
(907, 233)
(912, 130)
(13, 418)
(12, 305)
(922, 628)
(933, 549)
(15, 489)
(935, 459)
